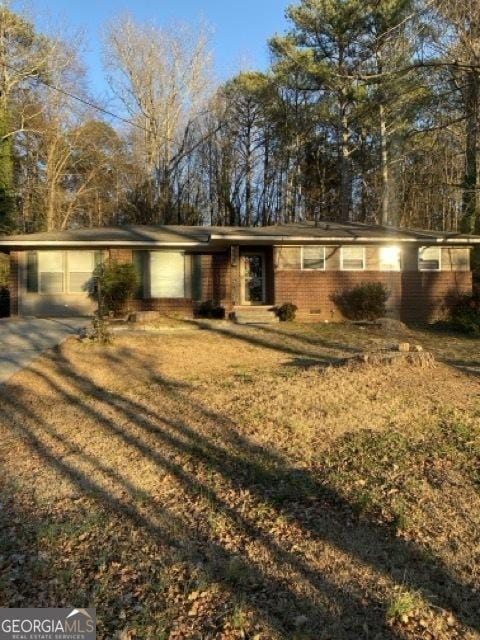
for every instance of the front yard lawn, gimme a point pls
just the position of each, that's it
(231, 483)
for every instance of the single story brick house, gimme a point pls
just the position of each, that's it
(243, 268)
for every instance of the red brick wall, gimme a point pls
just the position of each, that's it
(215, 278)
(13, 284)
(215, 285)
(121, 255)
(312, 291)
(426, 295)
(415, 296)
(163, 305)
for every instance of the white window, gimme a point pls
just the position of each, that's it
(429, 259)
(353, 258)
(50, 272)
(167, 274)
(80, 269)
(313, 258)
(390, 258)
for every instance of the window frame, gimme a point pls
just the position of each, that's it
(350, 246)
(320, 246)
(67, 270)
(33, 280)
(63, 272)
(431, 246)
(151, 279)
(400, 256)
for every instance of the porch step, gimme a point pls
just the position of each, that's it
(255, 315)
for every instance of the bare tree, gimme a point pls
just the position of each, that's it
(162, 77)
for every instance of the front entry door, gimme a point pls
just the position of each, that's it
(253, 278)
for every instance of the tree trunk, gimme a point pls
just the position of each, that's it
(345, 168)
(248, 178)
(470, 221)
(385, 204)
(7, 199)
(266, 180)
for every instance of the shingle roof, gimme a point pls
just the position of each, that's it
(335, 230)
(174, 235)
(120, 234)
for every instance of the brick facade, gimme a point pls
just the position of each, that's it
(215, 275)
(164, 305)
(414, 296)
(215, 278)
(426, 296)
(121, 255)
(214, 283)
(313, 291)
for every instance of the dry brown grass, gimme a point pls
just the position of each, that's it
(231, 484)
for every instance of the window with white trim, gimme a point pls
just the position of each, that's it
(51, 266)
(313, 258)
(64, 272)
(353, 258)
(390, 258)
(80, 268)
(429, 259)
(167, 274)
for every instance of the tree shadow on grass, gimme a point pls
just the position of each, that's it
(263, 341)
(193, 548)
(298, 495)
(316, 341)
(469, 367)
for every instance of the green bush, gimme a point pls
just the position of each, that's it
(465, 314)
(115, 283)
(210, 309)
(364, 302)
(287, 312)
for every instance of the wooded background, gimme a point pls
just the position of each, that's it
(369, 112)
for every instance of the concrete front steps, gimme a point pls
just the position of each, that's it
(261, 314)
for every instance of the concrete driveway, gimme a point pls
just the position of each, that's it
(22, 340)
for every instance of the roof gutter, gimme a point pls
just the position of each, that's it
(346, 240)
(274, 239)
(96, 243)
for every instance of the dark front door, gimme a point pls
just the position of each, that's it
(253, 278)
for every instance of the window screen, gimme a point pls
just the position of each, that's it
(313, 258)
(429, 259)
(167, 274)
(353, 258)
(390, 258)
(80, 269)
(50, 271)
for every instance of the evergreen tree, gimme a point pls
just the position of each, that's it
(325, 46)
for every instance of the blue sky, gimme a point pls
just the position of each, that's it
(241, 27)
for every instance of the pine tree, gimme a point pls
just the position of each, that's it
(325, 46)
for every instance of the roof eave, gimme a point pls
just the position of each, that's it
(343, 239)
(96, 243)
